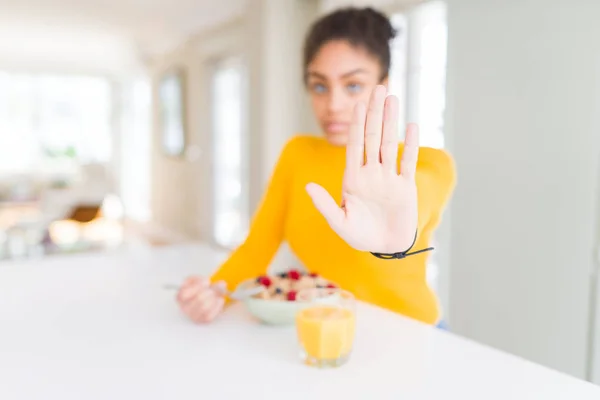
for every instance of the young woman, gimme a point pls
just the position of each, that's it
(338, 198)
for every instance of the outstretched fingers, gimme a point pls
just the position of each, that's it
(389, 140)
(410, 155)
(374, 124)
(355, 149)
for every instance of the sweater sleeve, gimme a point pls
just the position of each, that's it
(266, 233)
(435, 187)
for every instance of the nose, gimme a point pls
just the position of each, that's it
(335, 101)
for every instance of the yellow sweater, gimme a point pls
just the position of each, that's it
(287, 213)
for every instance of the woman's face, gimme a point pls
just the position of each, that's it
(338, 77)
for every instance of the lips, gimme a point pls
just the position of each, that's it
(336, 127)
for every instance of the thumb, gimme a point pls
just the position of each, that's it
(220, 288)
(326, 205)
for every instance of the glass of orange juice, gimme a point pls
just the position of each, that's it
(325, 325)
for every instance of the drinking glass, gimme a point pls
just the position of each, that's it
(325, 326)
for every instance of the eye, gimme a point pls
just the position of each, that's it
(318, 88)
(354, 88)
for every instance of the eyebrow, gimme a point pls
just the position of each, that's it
(347, 74)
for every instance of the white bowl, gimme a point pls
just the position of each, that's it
(273, 312)
(278, 312)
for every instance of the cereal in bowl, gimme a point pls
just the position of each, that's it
(285, 286)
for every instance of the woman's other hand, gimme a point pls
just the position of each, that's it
(200, 300)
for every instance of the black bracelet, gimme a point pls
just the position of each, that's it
(402, 254)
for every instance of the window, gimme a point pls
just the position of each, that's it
(136, 149)
(398, 73)
(430, 71)
(418, 78)
(418, 73)
(230, 194)
(47, 121)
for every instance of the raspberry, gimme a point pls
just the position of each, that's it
(265, 281)
(331, 286)
(294, 275)
(291, 296)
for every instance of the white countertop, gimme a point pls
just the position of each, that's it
(102, 327)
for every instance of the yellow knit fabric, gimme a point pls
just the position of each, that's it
(287, 213)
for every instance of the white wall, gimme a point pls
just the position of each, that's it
(44, 46)
(269, 35)
(386, 5)
(180, 202)
(594, 334)
(278, 105)
(522, 122)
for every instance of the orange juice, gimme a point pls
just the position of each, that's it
(325, 332)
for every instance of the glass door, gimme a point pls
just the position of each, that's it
(230, 153)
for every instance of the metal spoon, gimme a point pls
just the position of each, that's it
(239, 294)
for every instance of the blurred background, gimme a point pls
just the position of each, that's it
(132, 124)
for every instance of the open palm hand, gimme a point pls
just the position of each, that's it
(378, 212)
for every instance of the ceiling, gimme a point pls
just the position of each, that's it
(100, 33)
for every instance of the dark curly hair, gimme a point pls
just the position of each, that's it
(361, 27)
